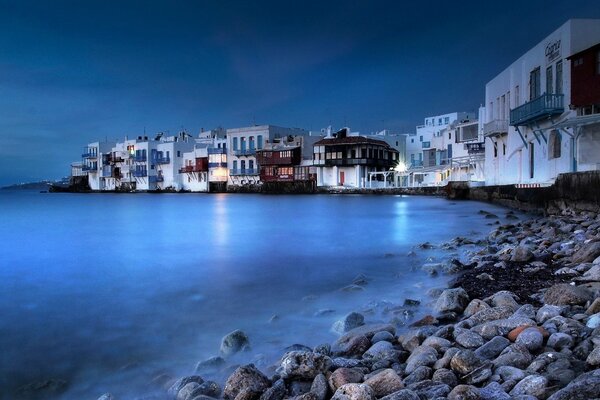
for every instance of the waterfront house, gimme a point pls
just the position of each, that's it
(531, 126)
(91, 163)
(242, 144)
(346, 160)
(194, 171)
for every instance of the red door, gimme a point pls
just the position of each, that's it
(341, 178)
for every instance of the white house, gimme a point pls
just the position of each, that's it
(92, 162)
(194, 172)
(242, 144)
(528, 108)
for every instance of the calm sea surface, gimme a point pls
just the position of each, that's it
(107, 291)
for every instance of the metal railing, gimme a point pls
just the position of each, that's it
(139, 173)
(162, 160)
(245, 152)
(246, 171)
(495, 127)
(138, 158)
(539, 108)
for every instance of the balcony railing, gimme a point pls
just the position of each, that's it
(157, 178)
(89, 154)
(495, 127)
(217, 150)
(542, 107)
(217, 165)
(245, 152)
(247, 171)
(89, 168)
(138, 158)
(162, 160)
(193, 168)
(139, 173)
(416, 163)
(476, 148)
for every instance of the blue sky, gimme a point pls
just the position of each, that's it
(72, 72)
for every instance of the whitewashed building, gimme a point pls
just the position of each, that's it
(531, 136)
(92, 162)
(242, 144)
(194, 172)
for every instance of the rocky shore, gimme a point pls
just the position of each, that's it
(520, 320)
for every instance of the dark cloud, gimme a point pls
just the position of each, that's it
(72, 71)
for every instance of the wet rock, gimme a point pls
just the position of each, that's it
(379, 351)
(594, 308)
(504, 298)
(547, 312)
(531, 338)
(565, 294)
(508, 373)
(464, 392)
(382, 336)
(349, 322)
(275, 392)
(490, 314)
(419, 374)
(107, 396)
(234, 342)
(354, 391)
(560, 341)
(303, 365)
(426, 320)
(299, 387)
(208, 388)
(385, 382)
(585, 386)
(356, 346)
(320, 387)
(445, 376)
(469, 340)
(532, 385)
(340, 362)
(403, 394)
(464, 362)
(174, 389)
(452, 300)
(432, 268)
(324, 311)
(474, 307)
(45, 388)
(248, 379)
(522, 254)
(343, 376)
(438, 343)
(429, 389)
(188, 391)
(587, 253)
(367, 330)
(422, 356)
(493, 391)
(593, 359)
(594, 321)
(493, 348)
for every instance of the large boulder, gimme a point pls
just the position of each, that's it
(585, 386)
(532, 385)
(343, 376)
(303, 365)
(234, 342)
(349, 322)
(452, 300)
(246, 378)
(522, 254)
(565, 294)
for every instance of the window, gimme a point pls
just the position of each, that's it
(234, 165)
(517, 100)
(439, 121)
(259, 142)
(243, 165)
(421, 138)
(559, 78)
(578, 62)
(549, 80)
(251, 164)
(554, 144)
(534, 84)
(235, 143)
(503, 149)
(495, 150)
(178, 153)
(447, 120)
(412, 140)
(449, 135)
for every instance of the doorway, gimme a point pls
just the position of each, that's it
(531, 160)
(342, 178)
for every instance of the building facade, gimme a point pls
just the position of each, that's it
(530, 136)
(346, 161)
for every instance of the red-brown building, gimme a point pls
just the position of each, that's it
(585, 81)
(200, 165)
(280, 163)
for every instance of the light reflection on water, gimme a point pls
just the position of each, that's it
(107, 291)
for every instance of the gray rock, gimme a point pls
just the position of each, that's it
(560, 341)
(464, 362)
(452, 300)
(246, 378)
(508, 373)
(587, 253)
(275, 392)
(593, 359)
(419, 374)
(421, 356)
(445, 376)
(385, 382)
(532, 385)
(493, 348)
(493, 391)
(464, 392)
(382, 336)
(594, 321)
(403, 394)
(303, 365)
(547, 312)
(379, 351)
(356, 346)
(349, 322)
(584, 387)
(565, 294)
(474, 307)
(320, 387)
(469, 340)
(354, 391)
(438, 343)
(234, 342)
(107, 396)
(430, 390)
(188, 391)
(522, 254)
(343, 376)
(174, 389)
(531, 338)
(490, 314)
(368, 330)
